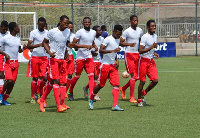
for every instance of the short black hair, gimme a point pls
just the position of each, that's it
(41, 19)
(63, 17)
(11, 26)
(103, 27)
(132, 16)
(86, 18)
(149, 22)
(95, 27)
(4, 24)
(58, 24)
(118, 28)
(71, 22)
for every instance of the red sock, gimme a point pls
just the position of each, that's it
(91, 83)
(41, 84)
(73, 83)
(33, 88)
(92, 96)
(87, 86)
(5, 97)
(48, 88)
(126, 86)
(68, 83)
(115, 93)
(1, 89)
(132, 87)
(144, 93)
(62, 94)
(56, 94)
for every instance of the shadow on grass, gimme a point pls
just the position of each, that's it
(124, 100)
(80, 99)
(103, 108)
(146, 105)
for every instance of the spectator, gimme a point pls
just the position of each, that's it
(104, 31)
(182, 35)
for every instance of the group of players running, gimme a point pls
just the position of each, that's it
(52, 63)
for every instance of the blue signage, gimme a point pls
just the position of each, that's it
(167, 49)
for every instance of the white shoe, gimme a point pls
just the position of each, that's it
(97, 98)
(140, 104)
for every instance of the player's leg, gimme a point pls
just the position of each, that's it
(96, 76)
(1, 78)
(89, 68)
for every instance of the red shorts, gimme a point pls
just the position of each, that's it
(11, 69)
(70, 65)
(110, 72)
(97, 68)
(58, 70)
(87, 64)
(147, 67)
(131, 63)
(37, 67)
(1, 62)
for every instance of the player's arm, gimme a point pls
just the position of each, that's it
(5, 54)
(142, 48)
(95, 46)
(123, 44)
(22, 49)
(156, 55)
(116, 62)
(77, 45)
(46, 46)
(31, 46)
(104, 51)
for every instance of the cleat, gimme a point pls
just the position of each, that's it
(143, 100)
(64, 105)
(97, 98)
(85, 91)
(140, 104)
(38, 101)
(6, 103)
(1, 98)
(91, 104)
(45, 103)
(71, 97)
(42, 109)
(32, 100)
(37, 96)
(117, 108)
(61, 109)
(132, 100)
(123, 93)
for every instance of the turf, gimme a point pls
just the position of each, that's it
(172, 108)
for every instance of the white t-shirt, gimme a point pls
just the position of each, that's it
(85, 38)
(98, 41)
(11, 44)
(147, 40)
(72, 35)
(57, 41)
(132, 36)
(37, 37)
(111, 43)
(1, 36)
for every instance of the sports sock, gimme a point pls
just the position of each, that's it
(5, 97)
(41, 84)
(115, 93)
(126, 86)
(92, 96)
(87, 86)
(68, 83)
(56, 94)
(48, 88)
(33, 88)
(132, 87)
(73, 83)
(1, 86)
(62, 94)
(91, 83)
(144, 93)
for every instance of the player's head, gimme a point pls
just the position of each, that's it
(4, 27)
(46, 26)
(134, 20)
(13, 26)
(98, 30)
(117, 32)
(64, 21)
(86, 22)
(70, 26)
(41, 23)
(151, 26)
(103, 28)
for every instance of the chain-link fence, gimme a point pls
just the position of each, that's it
(175, 18)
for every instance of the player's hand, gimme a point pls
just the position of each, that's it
(94, 53)
(117, 64)
(25, 47)
(132, 44)
(67, 57)
(96, 48)
(52, 54)
(70, 45)
(7, 57)
(155, 45)
(156, 55)
(89, 47)
(117, 50)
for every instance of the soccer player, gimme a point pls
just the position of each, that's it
(70, 62)
(55, 44)
(4, 31)
(38, 63)
(132, 36)
(147, 64)
(12, 46)
(96, 58)
(104, 31)
(109, 67)
(84, 41)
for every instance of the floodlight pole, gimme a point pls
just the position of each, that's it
(72, 6)
(3, 9)
(98, 13)
(134, 8)
(196, 28)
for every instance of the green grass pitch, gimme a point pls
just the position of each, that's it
(173, 108)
